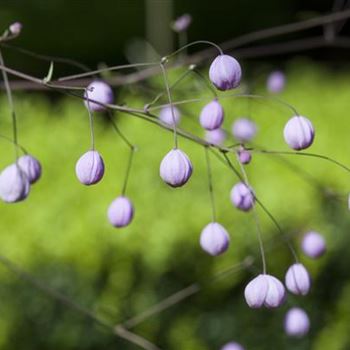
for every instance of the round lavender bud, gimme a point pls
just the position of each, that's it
(232, 346)
(225, 72)
(299, 133)
(276, 82)
(14, 184)
(216, 137)
(242, 197)
(90, 168)
(16, 28)
(98, 91)
(298, 279)
(182, 23)
(244, 129)
(175, 168)
(244, 156)
(313, 245)
(214, 239)
(120, 212)
(212, 115)
(166, 115)
(31, 167)
(296, 322)
(264, 290)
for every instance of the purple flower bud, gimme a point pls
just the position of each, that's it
(215, 137)
(182, 23)
(31, 167)
(225, 72)
(98, 91)
(276, 82)
(90, 168)
(296, 322)
(14, 184)
(244, 129)
(244, 156)
(120, 212)
(166, 115)
(264, 290)
(214, 239)
(212, 115)
(16, 28)
(232, 346)
(299, 133)
(313, 245)
(175, 168)
(242, 197)
(298, 279)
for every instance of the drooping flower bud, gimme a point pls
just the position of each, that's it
(225, 72)
(214, 239)
(276, 82)
(14, 184)
(212, 115)
(244, 129)
(98, 91)
(296, 322)
(298, 279)
(182, 23)
(16, 28)
(166, 115)
(175, 168)
(244, 156)
(264, 290)
(216, 137)
(120, 212)
(313, 245)
(242, 197)
(299, 133)
(232, 346)
(90, 168)
(31, 167)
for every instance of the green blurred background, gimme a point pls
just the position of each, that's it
(61, 235)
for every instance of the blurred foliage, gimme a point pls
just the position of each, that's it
(60, 234)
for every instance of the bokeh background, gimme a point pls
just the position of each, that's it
(60, 235)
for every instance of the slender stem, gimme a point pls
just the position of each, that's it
(91, 122)
(184, 293)
(263, 207)
(166, 83)
(63, 60)
(128, 168)
(172, 86)
(107, 69)
(256, 218)
(210, 184)
(306, 154)
(11, 141)
(206, 42)
(279, 228)
(11, 105)
(206, 82)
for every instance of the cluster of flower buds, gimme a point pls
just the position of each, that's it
(16, 179)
